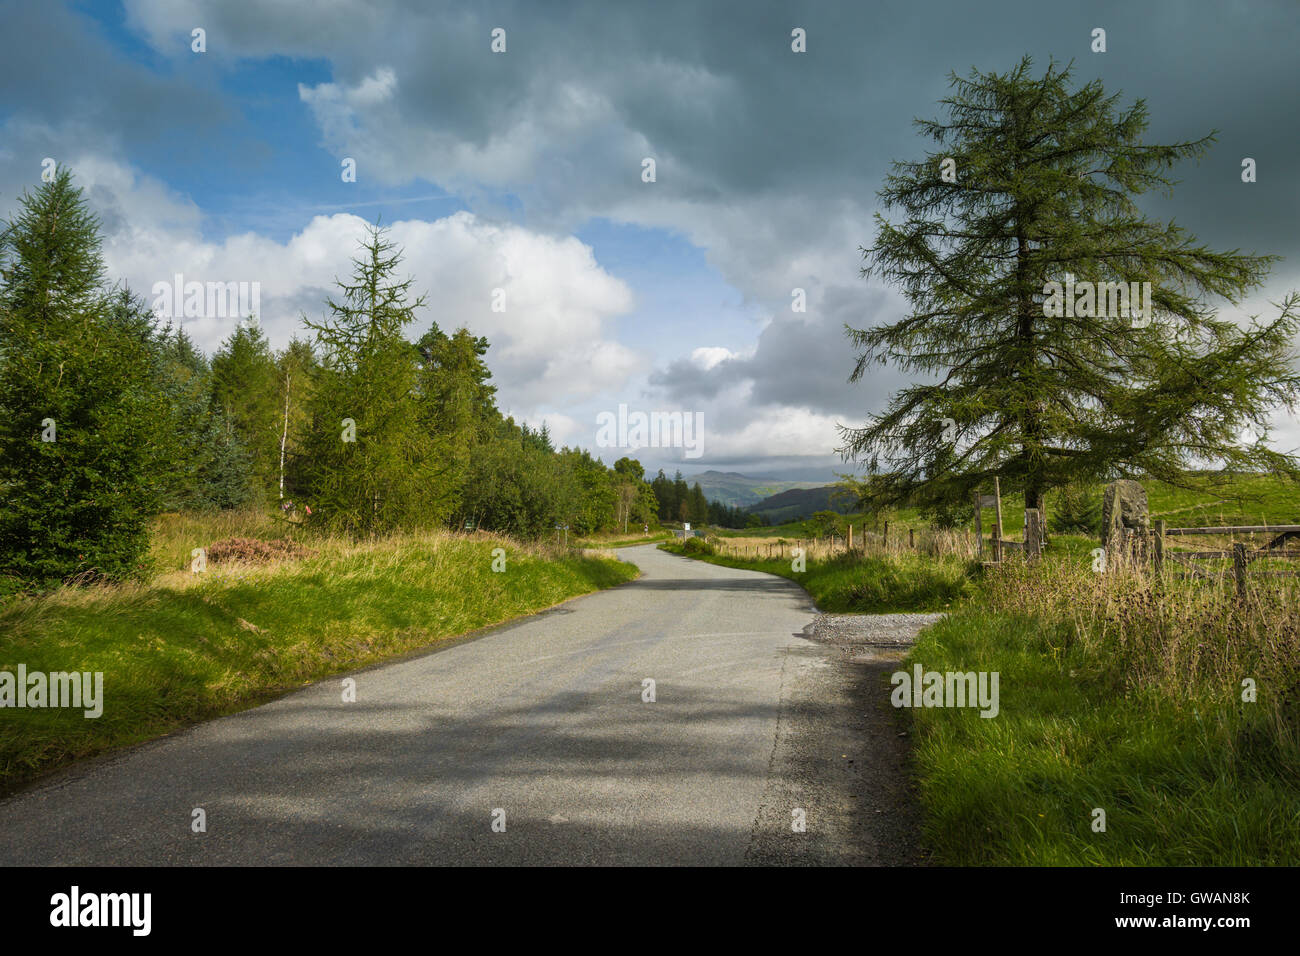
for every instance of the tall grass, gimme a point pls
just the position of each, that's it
(877, 578)
(1121, 692)
(930, 542)
(192, 645)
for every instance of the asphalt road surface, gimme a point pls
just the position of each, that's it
(535, 744)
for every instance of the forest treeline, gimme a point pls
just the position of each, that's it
(110, 415)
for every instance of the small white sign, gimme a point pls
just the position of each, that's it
(688, 526)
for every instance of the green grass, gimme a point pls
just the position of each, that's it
(874, 585)
(193, 646)
(623, 541)
(1185, 780)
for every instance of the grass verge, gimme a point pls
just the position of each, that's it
(1125, 696)
(623, 541)
(189, 646)
(864, 584)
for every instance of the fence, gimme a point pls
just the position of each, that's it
(858, 542)
(1241, 557)
(1031, 547)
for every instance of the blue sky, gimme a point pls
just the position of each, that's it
(521, 171)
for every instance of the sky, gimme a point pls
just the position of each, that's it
(522, 171)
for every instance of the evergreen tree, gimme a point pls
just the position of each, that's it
(681, 499)
(1040, 190)
(699, 506)
(81, 452)
(537, 438)
(209, 467)
(513, 486)
(244, 387)
(369, 464)
(458, 404)
(665, 496)
(1077, 509)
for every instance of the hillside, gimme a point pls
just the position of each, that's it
(798, 503)
(1245, 499)
(736, 490)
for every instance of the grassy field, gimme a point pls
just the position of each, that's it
(624, 540)
(1248, 499)
(1120, 693)
(190, 646)
(876, 583)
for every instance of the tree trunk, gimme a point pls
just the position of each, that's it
(284, 436)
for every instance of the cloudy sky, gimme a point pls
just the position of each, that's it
(522, 171)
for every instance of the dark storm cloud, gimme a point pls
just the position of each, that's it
(769, 160)
(801, 360)
(715, 89)
(58, 68)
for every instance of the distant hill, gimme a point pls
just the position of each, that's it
(799, 503)
(736, 490)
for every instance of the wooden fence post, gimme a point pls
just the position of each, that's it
(849, 546)
(1158, 546)
(997, 520)
(1239, 567)
(1033, 534)
(979, 529)
(911, 538)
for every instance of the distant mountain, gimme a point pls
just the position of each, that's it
(799, 503)
(736, 490)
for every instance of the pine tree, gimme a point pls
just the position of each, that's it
(665, 496)
(681, 499)
(244, 386)
(209, 467)
(1077, 509)
(368, 464)
(515, 486)
(81, 451)
(1040, 190)
(458, 406)
(699, 506)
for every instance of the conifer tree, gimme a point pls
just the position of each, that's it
(369, 466)
(457, 404)
(82, 440)
(244, 387)
(1034, 182)
(209, 467)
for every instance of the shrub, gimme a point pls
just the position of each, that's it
(698, 546)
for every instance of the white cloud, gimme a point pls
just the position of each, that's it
(709, 356)
(550, 347)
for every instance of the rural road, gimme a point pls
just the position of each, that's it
(759, 711)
